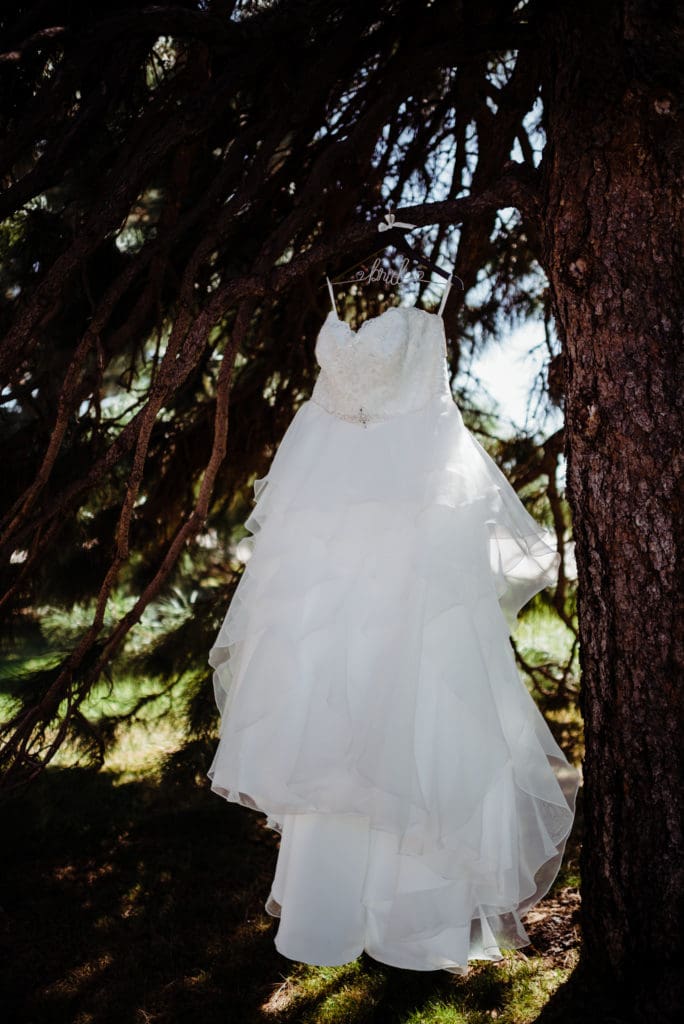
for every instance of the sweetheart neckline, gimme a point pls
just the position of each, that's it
(372, 319)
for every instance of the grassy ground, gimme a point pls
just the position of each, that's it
(141, 900)
(130, 895)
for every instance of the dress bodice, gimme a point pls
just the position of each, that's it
(394, 364)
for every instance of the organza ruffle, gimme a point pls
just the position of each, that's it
(366, 681)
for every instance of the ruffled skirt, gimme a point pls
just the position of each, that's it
(370, 702)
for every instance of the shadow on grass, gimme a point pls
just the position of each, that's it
(143, 902)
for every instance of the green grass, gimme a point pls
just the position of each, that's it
(130, 894)
(140, 899)
(512, 993)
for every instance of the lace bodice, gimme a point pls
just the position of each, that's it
(395, 363)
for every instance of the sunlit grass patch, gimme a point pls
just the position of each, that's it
(326, 994)
(511, 992)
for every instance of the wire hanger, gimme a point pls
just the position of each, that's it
(390, 226)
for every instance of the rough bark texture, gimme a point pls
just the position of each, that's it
(612, 213)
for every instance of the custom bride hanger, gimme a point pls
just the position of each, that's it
(390, 226)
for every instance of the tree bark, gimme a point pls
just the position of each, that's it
(612, 216)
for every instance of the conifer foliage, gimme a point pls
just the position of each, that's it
(176, 180)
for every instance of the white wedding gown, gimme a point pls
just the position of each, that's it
(370, 702)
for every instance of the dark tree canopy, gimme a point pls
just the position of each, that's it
(176, 181)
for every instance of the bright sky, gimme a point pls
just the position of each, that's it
(508, 371)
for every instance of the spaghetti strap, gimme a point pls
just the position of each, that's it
(332, 294)
(444, 296)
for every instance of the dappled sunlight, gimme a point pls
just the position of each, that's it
(512, 992)
(147, 898)
(78, 978)
(147, 904)
(307, 986)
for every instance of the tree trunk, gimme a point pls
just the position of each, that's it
(612, 219)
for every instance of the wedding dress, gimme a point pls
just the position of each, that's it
(371, 707)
